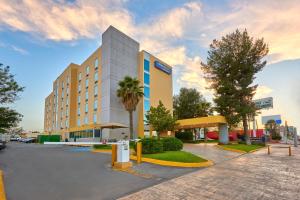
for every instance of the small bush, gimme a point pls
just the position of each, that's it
(276, 137)
(186, 136)
(172, 144)
(151, 145)
(102, 146)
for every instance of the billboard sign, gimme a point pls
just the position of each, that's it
(162, 67)
(264, 103)
(276, 118)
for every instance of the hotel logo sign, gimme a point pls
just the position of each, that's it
(162, 67)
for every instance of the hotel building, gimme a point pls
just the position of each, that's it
(84, 97)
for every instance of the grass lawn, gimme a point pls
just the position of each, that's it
(243, 147)
(200, 141)
(176, 156)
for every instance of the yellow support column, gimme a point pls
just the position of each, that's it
(139, 152)
(269, 150)
(113, 154)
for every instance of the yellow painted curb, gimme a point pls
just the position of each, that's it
(101, 150)
(174, 164)
(238, 151)
(2, 191)
(229, 149)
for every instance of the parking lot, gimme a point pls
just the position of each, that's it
(33, 171)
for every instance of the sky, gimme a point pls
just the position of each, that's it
(38, 39)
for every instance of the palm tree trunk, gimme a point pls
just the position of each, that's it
(131, 125)
(245, 125)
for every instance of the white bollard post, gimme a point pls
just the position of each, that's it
(123, 155)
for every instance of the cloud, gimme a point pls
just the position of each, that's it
(262, 91)
(62, 20)
(20, 50)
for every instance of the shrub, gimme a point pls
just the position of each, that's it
(151, 145)
(172, 144)
(187, 135)
(276, 137)
(101, 146)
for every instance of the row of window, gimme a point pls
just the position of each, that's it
(146, 86)
(86, 119)
(87, 92)
(86, 107)
(87, 70)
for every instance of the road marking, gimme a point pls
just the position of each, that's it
(2, 191)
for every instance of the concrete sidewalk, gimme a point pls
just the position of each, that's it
(251, 176)
(210, 152)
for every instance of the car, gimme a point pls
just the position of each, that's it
(14, 139)
(2, 144)
(29, 140)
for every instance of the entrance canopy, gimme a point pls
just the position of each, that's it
(111, 125)
(201, 122)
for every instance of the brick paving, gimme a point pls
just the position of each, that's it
(250, 176)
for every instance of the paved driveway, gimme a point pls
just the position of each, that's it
(251, 176)
(40, 172)
(210, 152)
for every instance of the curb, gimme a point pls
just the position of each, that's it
(2, 191)
(229, 149)
(101, 151)
(174, 164)
(238, 151)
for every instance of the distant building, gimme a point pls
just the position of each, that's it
(84, 96)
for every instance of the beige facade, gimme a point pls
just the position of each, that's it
(74, 106)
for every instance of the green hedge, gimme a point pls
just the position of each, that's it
(186, 136)
(172, 144)
(48, 138)
(151, 145)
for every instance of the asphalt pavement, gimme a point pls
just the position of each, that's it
(35, 172)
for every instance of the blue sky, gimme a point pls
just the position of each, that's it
(38, 39)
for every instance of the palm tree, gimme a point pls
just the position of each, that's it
(130, 93)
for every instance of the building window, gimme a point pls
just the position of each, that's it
(95, 118)
(67, 103)
(86, 119)
(79, 88)
(62, 94)
(67, 112)
(146, 105)
(67, 124)
(79, 76)
(78, 111)
(146, 66)
(68, 80)
(79, 99)
(86, 95)
(147, 92)
(63, 85)
(146, 79)
(87, 83)
(96, 90)
(96, 63)
(87, 70)
(95, 104)
(96, 76)
(86, 107)
(78, 122)
(68, 90)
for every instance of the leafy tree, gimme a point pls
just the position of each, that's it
(9, 90)
(231, 66)
(190, 104)
(272, 128)
(160, 119)
(130, 93)
(8, 118)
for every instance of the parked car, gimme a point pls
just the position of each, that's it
(2, 144)
(29, 140)
(15, 139)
